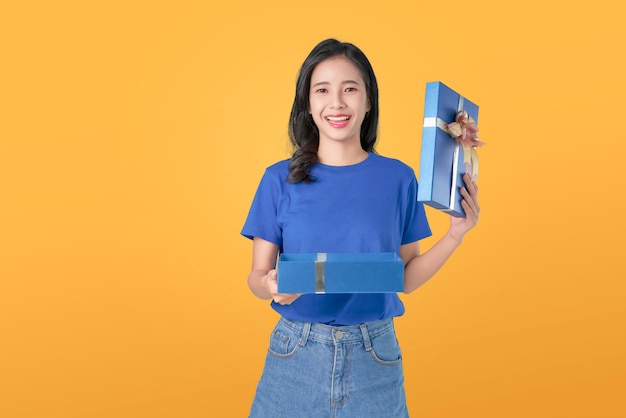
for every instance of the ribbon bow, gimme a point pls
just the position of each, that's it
(464, 129)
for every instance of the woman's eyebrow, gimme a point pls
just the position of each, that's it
(343, 82)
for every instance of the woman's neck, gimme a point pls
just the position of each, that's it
(340, 154)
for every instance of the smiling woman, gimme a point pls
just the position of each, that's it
(304, 130)
(338, 353)
(338, 105)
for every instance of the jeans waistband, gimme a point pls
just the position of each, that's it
(338, 334)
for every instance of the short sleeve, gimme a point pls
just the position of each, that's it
(416, 225)
(262, 220)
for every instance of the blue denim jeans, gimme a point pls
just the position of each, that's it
(315, 370)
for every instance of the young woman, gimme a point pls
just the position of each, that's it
(336, 355)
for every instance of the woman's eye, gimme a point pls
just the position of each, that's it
(321, 91)
(350, 89)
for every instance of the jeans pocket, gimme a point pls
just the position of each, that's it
(284, 342)
(385, 349)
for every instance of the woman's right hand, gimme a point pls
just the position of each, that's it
(271, 283)
(263, 279)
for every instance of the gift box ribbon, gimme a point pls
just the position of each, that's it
(320, 279)
(464, 130)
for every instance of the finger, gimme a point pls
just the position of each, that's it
(470, 203)
(471, 185)
(470, 212)
(272, 288)
(474, 190)
(293, 298)
(285, 298)
(470, 200)
(271, 281)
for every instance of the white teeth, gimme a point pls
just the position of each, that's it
(337, 118)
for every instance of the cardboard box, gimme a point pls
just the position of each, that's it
(340, 273)
(442, 161)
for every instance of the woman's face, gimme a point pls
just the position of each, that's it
(338, 100)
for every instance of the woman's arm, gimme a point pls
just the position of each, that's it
(418, 268)
(262, 279)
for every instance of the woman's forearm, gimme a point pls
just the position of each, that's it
(422, 267)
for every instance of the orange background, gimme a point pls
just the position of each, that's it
(134, 134)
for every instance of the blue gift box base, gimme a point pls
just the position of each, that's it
(340, 273)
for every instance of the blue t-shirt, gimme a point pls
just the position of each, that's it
(366, 207)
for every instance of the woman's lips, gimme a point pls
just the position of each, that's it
(338, 121)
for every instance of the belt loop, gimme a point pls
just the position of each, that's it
(305, 333)
(366, 337)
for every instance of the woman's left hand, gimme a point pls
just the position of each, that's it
(459, 226)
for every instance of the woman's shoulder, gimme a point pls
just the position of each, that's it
(279, 167)
(393, 164)
(277, 171)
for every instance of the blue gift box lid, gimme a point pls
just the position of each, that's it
(340, 273)
(441, 160)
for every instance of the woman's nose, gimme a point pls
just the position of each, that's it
(337, 101)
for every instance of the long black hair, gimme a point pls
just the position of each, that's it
(303, 132)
